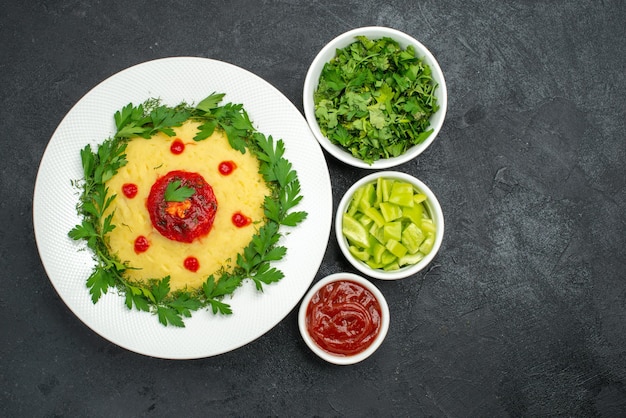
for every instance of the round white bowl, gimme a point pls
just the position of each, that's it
(334, 358)
(432, 205)
(328, 52)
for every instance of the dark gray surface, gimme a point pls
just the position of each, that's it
(522, 313)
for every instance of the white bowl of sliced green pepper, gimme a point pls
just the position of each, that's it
(389, 225)
(375, 97)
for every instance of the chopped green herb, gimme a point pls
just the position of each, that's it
(375, 99)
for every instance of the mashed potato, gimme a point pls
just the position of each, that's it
(242, 191)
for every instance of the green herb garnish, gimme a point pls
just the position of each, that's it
(174, 192)
(255, 262)
(147, 119)
(375, 99)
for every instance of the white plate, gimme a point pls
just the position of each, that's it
(68, 263)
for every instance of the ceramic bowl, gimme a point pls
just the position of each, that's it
(330, 356)
(432, 206)
(328, 52)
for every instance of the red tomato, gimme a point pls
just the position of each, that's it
(182, 221)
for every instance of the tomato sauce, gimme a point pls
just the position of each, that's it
(191, 264)
(177, 147)
(130, 190)
(226, 167)
(141, 244)
(240, 220)
(343, 318)
(182, 221)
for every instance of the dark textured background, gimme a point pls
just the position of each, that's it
(522, 313)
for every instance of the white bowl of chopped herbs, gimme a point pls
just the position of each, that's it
(389, 225)
(375, 97)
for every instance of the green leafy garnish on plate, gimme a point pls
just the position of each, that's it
(375, 99)
(254, 262)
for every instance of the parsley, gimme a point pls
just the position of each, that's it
(231, 118)
(98, 167)
(375, 99)
(147, 119)
(254, 263)
(174, 192)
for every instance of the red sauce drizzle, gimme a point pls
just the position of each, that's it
(343, 318)
(191, 264)
(129, 190)
(226, 167)
(182, 221)
(240, 220)
(177, 147)
(141, 244)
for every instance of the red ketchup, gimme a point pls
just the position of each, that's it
(130, 190)
(226, 167)
(240, 220)
(343, 318)
(141, 244)
(177, 147)
(187, 220)
(191, 264)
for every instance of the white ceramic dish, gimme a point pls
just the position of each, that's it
(68, 263)
(433, 206)
(328, 52)
(333, 358)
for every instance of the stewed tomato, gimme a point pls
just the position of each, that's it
(184, 220)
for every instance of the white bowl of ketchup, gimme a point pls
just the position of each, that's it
(343, 318)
